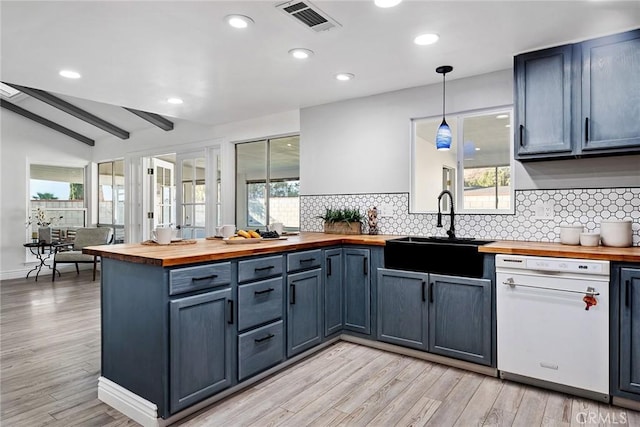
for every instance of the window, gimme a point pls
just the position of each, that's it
(268, 183)
(111, 197)
(58, 192)
(477, 169)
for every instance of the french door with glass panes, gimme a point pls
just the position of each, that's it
(198, 192)
(163, 195)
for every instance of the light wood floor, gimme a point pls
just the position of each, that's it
(50, 362)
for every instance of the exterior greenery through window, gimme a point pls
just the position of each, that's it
(477, 168)
(271, 164)
(58, 192)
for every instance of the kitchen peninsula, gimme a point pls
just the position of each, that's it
(183, 325)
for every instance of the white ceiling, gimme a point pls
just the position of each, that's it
(137, 54)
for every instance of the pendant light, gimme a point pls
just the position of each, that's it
(443, 136)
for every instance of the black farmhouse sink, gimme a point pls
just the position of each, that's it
(442, 255)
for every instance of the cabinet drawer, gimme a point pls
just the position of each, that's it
(304, 260)
(259, 302)
(259, 268)
(260, 349)
(191, 279)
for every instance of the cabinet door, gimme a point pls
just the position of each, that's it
(357, 291)
(543, 102)
(402, 308)
(304, 321)
(630, 330)
(332, 291)
(611, 92)
(200, 350)
(460, 318)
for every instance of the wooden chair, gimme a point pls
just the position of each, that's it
(93, 236)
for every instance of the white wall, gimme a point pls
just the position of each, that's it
(363, 145)
(24, 142)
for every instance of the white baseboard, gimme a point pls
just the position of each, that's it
(130, 404)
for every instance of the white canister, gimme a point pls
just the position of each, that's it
(570, 233)
(616, 232)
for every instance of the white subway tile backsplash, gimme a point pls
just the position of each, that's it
(584, 206)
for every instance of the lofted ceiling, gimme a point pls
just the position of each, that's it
(139, 53)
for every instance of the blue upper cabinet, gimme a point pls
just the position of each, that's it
(543, 109)
(578, 100)
(611, 92)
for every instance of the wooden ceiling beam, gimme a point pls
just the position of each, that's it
(68, 108)
(45, 122)
(153, 118)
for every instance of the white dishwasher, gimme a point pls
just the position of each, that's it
(549, 332)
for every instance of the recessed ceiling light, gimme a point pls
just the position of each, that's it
(238, 21)
(344, 76)
(507, 126)
(176, 101)
(502, 116)
(425, 39)
(477, 149)
(69, 74)
(387, 3)
(300, 53)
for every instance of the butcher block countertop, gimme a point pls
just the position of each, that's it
(511, 247)
(213, 250)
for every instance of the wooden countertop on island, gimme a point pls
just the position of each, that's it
(214, 250)
(513, 247)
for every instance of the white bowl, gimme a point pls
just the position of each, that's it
(589, 239)
(616, 232)
(570, 233)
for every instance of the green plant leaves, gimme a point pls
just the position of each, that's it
(341, 215)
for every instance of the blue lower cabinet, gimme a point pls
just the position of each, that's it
(357, 290)
(201, 357)
(333, 291)
(460, 320)
(260, 349)
(304, 312)
(625, 331)
(403, 308)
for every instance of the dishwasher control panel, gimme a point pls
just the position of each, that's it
(560, 265)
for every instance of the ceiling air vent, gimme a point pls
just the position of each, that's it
(309, 15)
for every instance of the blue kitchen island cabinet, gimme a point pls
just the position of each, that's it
(201, 332)
(304, 319)
(168, 334)
(625, 332)
(304, 296)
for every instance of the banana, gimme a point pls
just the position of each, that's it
(254, 234)
(244, 234)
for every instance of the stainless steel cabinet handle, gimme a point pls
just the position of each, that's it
(590, 291)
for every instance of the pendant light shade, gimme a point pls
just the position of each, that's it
(443, 136)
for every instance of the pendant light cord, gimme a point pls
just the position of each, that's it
(443, 92)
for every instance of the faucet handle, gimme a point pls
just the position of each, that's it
(451, 234)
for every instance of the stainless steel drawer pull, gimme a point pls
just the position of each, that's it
(266, 291)
(590, 291)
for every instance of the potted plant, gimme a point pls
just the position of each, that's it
(342, 221)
